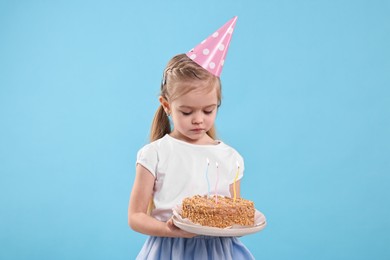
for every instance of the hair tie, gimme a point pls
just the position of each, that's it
(163, 81)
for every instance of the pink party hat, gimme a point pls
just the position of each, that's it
(211, 53)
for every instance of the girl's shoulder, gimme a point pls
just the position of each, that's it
(154, 146)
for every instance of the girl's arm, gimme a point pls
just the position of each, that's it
(139, 199)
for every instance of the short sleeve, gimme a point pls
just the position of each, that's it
(147, 156)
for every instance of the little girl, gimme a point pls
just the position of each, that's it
(172, 166)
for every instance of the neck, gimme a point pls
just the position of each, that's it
(205, 140)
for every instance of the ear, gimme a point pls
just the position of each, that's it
(165, 104)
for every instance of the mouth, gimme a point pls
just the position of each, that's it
(197, 130)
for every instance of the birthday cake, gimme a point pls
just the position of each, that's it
(218, 211)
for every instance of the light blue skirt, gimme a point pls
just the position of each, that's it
(199, 247)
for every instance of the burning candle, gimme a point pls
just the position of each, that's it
(216, 184)
(234, 183)
(207, 177)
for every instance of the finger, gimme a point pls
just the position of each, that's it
(170, 224)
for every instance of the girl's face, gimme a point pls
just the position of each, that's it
(193, 114)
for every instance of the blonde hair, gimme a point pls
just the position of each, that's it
(178, 70)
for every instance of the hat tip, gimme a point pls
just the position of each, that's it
(211, 52)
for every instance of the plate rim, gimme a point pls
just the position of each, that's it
(215, 231)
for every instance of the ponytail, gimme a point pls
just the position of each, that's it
(160, 125)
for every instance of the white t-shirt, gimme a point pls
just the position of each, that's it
(180, 169)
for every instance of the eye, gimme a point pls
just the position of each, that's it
(186, 113)
(208, 112)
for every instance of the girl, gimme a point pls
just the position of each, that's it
(172, 166)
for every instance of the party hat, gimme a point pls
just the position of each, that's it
(211, 53)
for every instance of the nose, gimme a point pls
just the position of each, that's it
(197, 119)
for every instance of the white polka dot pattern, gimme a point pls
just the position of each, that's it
(211, 52)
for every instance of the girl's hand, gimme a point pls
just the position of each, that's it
(177, 232)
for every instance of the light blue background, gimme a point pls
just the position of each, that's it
(305, 100)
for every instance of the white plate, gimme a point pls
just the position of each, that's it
(185, 224)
